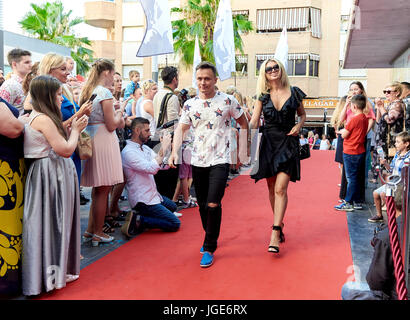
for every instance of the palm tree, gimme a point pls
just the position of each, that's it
(198, 18)
(49, 22)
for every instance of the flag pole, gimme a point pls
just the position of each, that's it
(154, 69)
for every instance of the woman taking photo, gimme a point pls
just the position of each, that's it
(51, 228)
(104, 169)
(55, 65)
(390, 119)
(279, 147)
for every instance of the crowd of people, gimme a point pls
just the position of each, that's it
(373, 143)
(150, 145)
(47, 111)
(380, 145)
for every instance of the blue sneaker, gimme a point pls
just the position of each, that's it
(345, 206)
(207, 259)
(202, 250)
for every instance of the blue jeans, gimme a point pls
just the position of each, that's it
(361, 291)
(352, 164)
(159, 216)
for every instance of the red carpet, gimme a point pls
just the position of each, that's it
(312, 262)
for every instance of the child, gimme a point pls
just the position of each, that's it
(324, 143)
(402, 146)
(354, 151)
(134, 76)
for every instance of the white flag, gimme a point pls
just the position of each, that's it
(224, 46)
(282, 49)
(158, 35)
(197, 60)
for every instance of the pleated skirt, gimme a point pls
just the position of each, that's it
(104, 168)
(51, 225)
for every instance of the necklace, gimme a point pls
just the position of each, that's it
(168, 88)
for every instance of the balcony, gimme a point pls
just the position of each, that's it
(100, 14)
(104, 49)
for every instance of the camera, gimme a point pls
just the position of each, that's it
(183, 96)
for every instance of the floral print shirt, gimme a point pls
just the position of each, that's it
(211, 122)
(12, 92)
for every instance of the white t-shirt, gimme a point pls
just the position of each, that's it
(211, 121)
(324, 145)
(146, 115)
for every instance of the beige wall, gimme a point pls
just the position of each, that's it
(130, 15)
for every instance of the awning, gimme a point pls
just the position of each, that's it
(315, 22)
(271, 20)
(276, 19)
(378, 35)
(242, 58)
(291, 56)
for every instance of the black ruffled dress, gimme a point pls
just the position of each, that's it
(279, 152)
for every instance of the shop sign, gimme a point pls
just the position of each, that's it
(320, 103)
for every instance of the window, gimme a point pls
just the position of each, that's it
(241, 64)
(260, 58)
(294, 19)
(300, 67)
(299, 64)
(314, 65)
(244, 13)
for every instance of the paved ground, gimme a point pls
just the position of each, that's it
(360, 232)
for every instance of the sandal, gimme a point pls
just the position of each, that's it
(107, 228)
(275, 249)
(112, 222)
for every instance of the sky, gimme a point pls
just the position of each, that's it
(14, 11)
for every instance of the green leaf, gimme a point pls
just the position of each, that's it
(50, 22)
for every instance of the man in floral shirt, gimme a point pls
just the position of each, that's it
(209, 114)
(12, 89)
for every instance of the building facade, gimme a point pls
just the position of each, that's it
(316, 31)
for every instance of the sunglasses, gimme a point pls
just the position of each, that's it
(274, 68)
(388, 91)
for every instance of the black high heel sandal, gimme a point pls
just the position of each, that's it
(282, 235)
(275, 249)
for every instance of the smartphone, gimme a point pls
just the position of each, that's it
(92, 97)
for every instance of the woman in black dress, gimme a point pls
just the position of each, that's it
(279, 149)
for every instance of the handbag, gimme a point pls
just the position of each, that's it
(84, 146)
(304, 151)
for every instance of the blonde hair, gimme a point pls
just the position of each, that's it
(147, 85)
(336, 121)
(191, 92)
(233, 91)
(262, 86)
(97, 68)
(53, 61)
(133, 73)
(396, 86)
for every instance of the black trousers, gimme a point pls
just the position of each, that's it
(210, 184)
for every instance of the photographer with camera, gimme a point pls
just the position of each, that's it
(166, 109)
